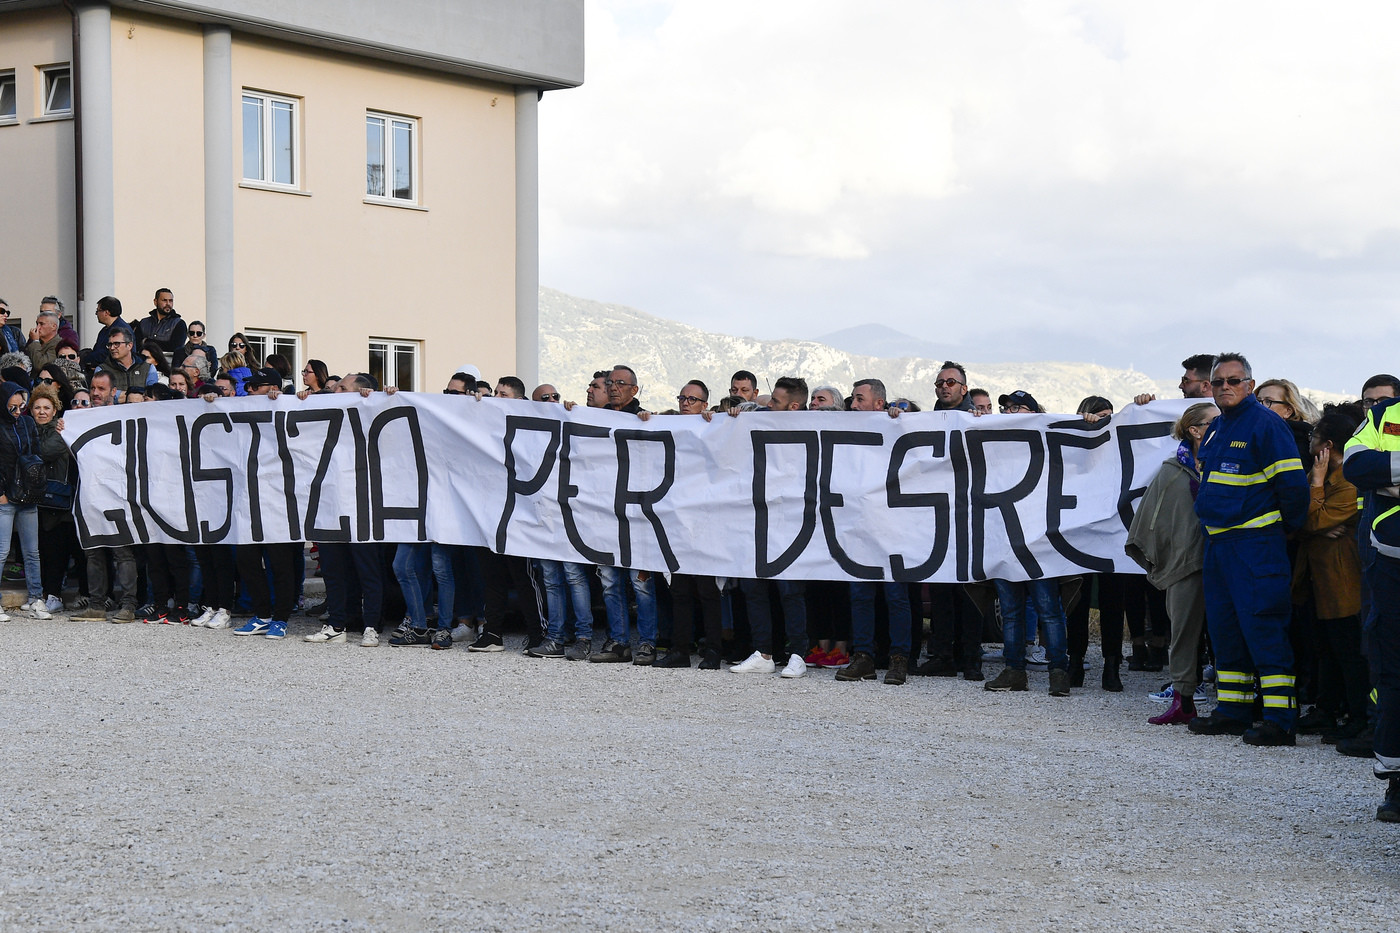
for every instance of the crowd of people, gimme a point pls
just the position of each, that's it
(1270, 542)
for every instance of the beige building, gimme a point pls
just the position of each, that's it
(344, 180)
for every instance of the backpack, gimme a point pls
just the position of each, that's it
(30, 480)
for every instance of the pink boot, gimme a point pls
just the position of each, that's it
(1179, 711)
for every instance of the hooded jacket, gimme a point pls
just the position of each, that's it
(17, 434)
(1165, 536)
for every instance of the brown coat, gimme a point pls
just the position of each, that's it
(1329, 569)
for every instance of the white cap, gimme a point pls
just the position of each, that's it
(470, 370)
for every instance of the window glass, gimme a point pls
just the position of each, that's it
(7, 96)
(58, 91)
(403, 160)
(374, 157)
(252, 138)
(282, 142)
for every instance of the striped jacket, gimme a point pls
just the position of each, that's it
(1251, 476)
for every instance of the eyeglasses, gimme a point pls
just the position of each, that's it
(616, 382)
(1016, 409)
(689, 399)
(1233, 380)
(1275, 403)
(549, 397)
(82, 403)
(944, 383)
(196, 333)
(117, 343)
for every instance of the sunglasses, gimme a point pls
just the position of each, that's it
(549, 397)
(68, 356)
(46, 380)
(239, 346)
(944, 383)
(82, 403)
(196, 333)
(453, 392)
(1233, 380)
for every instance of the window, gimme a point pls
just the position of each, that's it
(394, 363)
(390, 144)
(266, 342)
(269, 139)
(58, 91)
(7, 96)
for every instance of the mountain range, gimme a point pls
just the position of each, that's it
(578, 337)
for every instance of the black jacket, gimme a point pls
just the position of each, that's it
(169, 333)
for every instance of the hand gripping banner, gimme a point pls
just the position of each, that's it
(938, 496)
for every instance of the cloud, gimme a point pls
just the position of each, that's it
(1193, 168)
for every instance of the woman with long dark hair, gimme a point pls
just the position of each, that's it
(239, 344)
(20, 438)
(315, 375)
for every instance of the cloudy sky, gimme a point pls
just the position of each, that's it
(1115, 182)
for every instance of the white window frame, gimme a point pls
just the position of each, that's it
(7, 79)
(269, 101)
(392, 346)
(264, 342)
(391, 121)
(48, 81)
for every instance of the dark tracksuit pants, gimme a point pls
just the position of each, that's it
(281, 562)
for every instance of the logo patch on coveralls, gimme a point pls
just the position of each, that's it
(1390, 428)
(1230, 468)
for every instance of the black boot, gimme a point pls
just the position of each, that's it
(1111, 681)
(1076, 671)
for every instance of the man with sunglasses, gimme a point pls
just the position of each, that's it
(11, 340)
(951, 389)
(1253, 493)
(127, 371)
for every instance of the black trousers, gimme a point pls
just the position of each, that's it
(255, 562)
(686, 590)
(168, 566)
(217, 570)
(500, 572)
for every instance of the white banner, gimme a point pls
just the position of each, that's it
(800, 495)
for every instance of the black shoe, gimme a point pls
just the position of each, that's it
(614, 652)
(862, 667)
(936, 667)
(1316, 722)
(1348, 729)
(1112, 681)
(1076, 671)
(973, 672)
(673, 658)
(414, 636)
(711, 660)
(645, 655)
(1269, 734)
(1389, 810)
(1142, 660)
(487, 642)
(1217, 724)
(898, 671)
(1361, 745)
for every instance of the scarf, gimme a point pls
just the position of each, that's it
(1186, 458)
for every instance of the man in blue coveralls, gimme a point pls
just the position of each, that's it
(1253, 492)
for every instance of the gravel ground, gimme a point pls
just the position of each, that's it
(183, 779)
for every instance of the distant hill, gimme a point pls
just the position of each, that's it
(578, 336)
(882, 342)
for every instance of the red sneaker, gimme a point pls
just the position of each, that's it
(837, 658)
(816, 657)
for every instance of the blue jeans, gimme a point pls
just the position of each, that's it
(863, 616)
(559, 576)
(25, 519)
(1045, 594)
(615, 598)
(411, 567)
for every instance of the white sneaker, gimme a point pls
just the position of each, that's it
(371, 638)
(4, 617)
(205, 617)
(755, 663)
(36, 606)
(796, 667)
(220, 619)
(54, 604)
(464, 633)
(328, 635)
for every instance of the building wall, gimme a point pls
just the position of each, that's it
(342, 270)
(39, 255)
(157, 158)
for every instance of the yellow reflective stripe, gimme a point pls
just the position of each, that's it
(1268, 518)
(1283, 466)
(1237, 479)
(1375, 696)
(1234, 696)
(1234, 677)
(1274, 702)
(1360, 503)
(1277, 680)
(1384, 515)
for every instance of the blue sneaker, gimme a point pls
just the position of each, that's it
(254, 626)
(277, 630)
